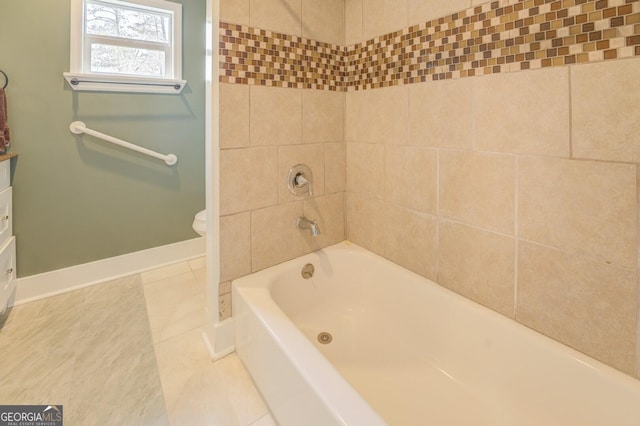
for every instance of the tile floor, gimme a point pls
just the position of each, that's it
(126, 352)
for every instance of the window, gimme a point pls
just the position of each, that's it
(130, 45)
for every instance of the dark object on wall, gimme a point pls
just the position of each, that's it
(5, 136)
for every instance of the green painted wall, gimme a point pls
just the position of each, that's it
(78, 199)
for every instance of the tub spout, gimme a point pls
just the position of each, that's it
(303, 223)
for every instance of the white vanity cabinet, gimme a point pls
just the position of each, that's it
(7, 240)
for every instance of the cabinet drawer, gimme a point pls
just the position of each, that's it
(5, 174)
(7, 273)
(6, 217)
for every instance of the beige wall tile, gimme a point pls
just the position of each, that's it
(365, 222)
(235, 246)
(322, 116)
(335, 167)
(353, 22)
(274, 236)
(235, 11)
(523, 112)
(248, 179)
(426, 10)
(441, 113)
(282, 16)
(224, 288)
(583, 207)
(588, 305)
(411, 177)
(234, 115)
(365, 169)
(383, 16)
(288, 156)
(411, 240)
(356, 119)
(478, 189)
(380, 115)
(328, 212)
(605, 107)
(323, 20)
(387, 115)
(224, 307)
(276, 116)
(479, 265)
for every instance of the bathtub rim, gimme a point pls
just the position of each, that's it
(259, 283)
(325, 380)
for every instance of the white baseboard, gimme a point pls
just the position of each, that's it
(51, 283)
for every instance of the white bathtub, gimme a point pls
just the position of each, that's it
(406, 351)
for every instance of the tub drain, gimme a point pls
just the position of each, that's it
(324, 338)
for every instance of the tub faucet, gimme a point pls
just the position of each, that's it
(303, 223)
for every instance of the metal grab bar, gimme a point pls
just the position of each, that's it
(78, 127)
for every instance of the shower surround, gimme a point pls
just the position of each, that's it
(491, 147)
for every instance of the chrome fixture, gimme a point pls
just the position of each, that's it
(300, 180)
(303, 223)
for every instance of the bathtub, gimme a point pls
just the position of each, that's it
(405, 351)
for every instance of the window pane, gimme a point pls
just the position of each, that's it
(127, 60)
(110, 20)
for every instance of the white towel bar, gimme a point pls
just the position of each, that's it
(78, 127)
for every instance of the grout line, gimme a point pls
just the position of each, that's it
(477, 227)
(361, 35)
(572, 251)
(570, 82)
(474, 113)
(515, 240)
(437, 214)
(637, 360)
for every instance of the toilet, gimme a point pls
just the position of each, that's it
(200, 223)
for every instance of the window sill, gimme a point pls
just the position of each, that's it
(99, 83)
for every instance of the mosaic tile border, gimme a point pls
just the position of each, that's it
(500, 36)
(254, 56)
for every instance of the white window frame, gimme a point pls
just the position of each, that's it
(80, 76)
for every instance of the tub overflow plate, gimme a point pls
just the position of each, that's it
(307, 271)
(325, 338)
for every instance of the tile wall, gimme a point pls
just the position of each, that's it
(516, 189)
(516, 186)
(512, 216)
(266, 129)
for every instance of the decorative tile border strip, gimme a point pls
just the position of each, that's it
(254, 56)
(500, 36)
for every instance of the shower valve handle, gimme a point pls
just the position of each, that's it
(301, 180)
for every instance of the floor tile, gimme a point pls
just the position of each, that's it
(198, 263)
(175, 305)
(130, 350)
(165, 272)
(200, 392)
(89, 350)
(266, 420)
